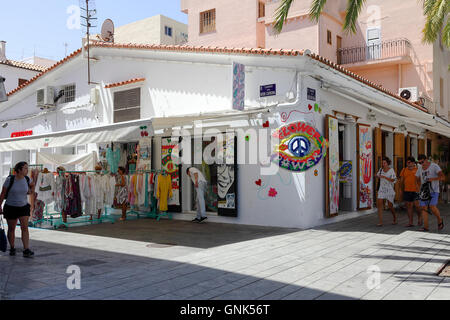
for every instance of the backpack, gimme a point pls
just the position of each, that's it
(11, 182)
(425, 192)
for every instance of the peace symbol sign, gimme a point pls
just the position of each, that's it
(299, 147)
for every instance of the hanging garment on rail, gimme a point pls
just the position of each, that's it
(89, 194)
(38, 209)
(111, 188)
(45, 187)
(72, 197)
(164, 191)
(59, 193)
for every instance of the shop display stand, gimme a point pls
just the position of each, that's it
(82, 219)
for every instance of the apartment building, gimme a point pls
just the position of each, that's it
(158, 29)
(386, 49)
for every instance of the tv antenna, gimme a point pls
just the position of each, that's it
(108, 31)
(88, 20)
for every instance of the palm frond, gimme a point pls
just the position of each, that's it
(436, 12)
(281, 14)
(316, 10)
(446, 35)
(354, 8)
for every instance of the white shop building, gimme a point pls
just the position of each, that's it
(169, 88)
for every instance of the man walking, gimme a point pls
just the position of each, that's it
(410, 190)
(428, 175)
(199, 181)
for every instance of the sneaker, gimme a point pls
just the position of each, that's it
(196, 220)
(28, 253)
(203, 219)
(12, 252)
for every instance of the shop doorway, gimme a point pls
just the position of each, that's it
(209, 172)
(347, 142)
(340, 166)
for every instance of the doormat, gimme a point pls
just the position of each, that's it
(445, 270)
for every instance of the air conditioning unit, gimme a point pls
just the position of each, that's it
(427, 103)
(411, 94)
(46, 98)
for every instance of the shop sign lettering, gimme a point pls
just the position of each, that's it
(301, 147)
(21, 134)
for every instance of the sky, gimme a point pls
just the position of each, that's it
(43, 27)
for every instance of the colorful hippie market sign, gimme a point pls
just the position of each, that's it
(301, 146)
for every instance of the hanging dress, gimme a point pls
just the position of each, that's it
(164, 191)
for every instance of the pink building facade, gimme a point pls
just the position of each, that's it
(386, 49)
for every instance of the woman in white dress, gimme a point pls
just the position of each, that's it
(386, 190)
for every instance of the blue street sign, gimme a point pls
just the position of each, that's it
(268, 90)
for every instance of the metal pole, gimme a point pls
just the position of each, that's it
(87, 32)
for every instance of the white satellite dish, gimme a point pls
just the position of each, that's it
(108, 31)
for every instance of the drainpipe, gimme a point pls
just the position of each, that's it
(298, 95)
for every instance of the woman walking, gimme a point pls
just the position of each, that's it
(15, 191)
(122, 192)
(386, 191)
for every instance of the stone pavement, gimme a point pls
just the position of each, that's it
(145, 259)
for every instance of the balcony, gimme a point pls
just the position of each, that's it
(398, 49)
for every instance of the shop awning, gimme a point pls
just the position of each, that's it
(118, 132)
(125, 131)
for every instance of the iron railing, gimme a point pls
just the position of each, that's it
(383, 50)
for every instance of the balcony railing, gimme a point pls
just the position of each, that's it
(383, 50)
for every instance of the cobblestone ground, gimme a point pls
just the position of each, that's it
(145, 259)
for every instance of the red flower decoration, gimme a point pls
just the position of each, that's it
(259, 182)
(310, 107)
(266, 124)
(272, 193)
(283, 147)
(146, 133)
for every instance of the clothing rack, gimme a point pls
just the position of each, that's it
(83, 218)
(149, 214)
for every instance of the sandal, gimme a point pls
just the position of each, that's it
(379, 225)
(441, 225)
(409, 226)
(424, 230)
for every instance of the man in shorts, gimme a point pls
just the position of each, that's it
(410, 190)
(430, 172)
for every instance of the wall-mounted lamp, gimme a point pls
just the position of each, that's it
(5, 125)
(371, 116)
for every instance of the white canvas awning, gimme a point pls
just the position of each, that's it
(118, 132)
(125, 131)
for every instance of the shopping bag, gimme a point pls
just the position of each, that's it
(3, 240)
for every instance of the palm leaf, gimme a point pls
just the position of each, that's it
(354, 8)
(281, 14)
(316, 10)
(436, 12)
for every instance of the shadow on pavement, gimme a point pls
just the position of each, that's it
(109, 275)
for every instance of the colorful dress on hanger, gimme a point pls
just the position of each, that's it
(38, 211)
(164, 191)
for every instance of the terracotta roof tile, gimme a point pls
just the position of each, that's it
(118, 84)
(202, 49)
(74, 54)
(23, 65)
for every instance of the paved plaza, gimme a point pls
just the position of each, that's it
(173, 259)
